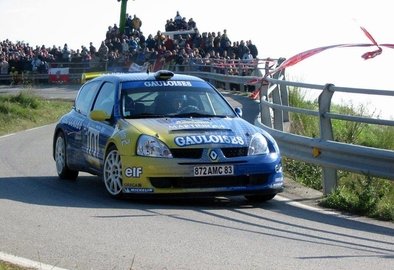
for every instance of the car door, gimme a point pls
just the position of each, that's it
(97, 132)
(75, 123)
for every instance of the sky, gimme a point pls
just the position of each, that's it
(280, 28)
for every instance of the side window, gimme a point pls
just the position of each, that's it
(85, 97)
(106, 98)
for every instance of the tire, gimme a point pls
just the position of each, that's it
(60, 155)
(112, 173)
(260, 197)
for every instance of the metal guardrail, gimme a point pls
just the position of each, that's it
(324, 150)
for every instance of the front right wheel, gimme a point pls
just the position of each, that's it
(112, 173)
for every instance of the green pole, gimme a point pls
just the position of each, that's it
(122, 21)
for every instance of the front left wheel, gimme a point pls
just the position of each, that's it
(60, 156)
(112, 173)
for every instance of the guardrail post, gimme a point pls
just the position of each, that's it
(326, 133)
(278, 96)
(226, 84)
(265, 113)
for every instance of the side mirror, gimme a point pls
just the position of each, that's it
(238, 111)
(99, 115)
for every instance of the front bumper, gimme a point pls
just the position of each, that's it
(142, 175)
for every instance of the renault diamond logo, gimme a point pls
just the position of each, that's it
(213, 155)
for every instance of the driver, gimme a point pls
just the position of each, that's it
(175, 104)
(129, 106)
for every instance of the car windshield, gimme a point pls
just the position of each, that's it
(178, 99)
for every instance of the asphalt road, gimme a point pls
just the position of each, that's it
(75, 225)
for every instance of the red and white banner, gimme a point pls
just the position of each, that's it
(306, 54)
(59, 75)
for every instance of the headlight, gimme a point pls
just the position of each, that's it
(152, 147)
(258, 145)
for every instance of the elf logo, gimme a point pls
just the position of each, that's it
(133, 172)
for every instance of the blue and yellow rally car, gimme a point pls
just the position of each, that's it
(165, 134)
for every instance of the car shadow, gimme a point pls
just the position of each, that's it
(89, 192)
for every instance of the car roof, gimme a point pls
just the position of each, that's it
(146, 76)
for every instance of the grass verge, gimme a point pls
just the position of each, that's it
(10, 266)
(26, 110)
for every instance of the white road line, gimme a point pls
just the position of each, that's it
(26, 262)
(25, 130)
(306, 207)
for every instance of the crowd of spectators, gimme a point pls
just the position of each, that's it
(118, 50)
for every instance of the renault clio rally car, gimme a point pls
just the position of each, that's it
(165, 134)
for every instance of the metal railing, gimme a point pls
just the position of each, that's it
(324, 150)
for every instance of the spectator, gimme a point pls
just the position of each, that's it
(66, 53)
(242, 49)
(170, 25)
(4, 67)
(191, 24)
(159, 39)
(136, 23)
(133, 45)
(216, 42)
(35, 63)
(252, 48)
(103, 52)
(125, 46)
(92, 49)
(225, 42)
(177, 17)
(150, 42)
(247, 57)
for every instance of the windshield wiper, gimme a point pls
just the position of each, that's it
(197, 114)
(145, 115)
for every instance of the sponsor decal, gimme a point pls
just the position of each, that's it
(168, 83)
(92, 144)
(133, 172)
(125, 142)
(195, 125)
(72, 122)
(133, 185)
(208, 139)
(123, 138)
(137, 190)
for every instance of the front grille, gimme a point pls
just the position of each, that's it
(209, 182)
(196, 153)
(231, 152)
(187, 152)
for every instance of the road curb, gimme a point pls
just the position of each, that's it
(23, 262)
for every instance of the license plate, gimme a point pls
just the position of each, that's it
(214, 170)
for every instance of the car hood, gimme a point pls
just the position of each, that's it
(183, 132)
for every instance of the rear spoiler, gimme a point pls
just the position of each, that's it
(86, 76)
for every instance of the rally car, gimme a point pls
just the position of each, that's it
(165, 134)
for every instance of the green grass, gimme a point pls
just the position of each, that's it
(26, 110)
(10, 266)
(356, 194)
